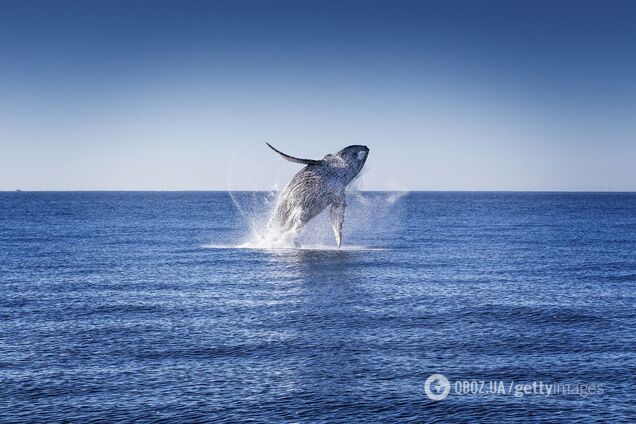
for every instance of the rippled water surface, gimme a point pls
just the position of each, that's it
(142, 306)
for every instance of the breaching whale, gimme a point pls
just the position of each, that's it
(319, 184)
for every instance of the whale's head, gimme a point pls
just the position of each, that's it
(353, 158)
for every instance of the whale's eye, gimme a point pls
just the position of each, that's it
(361, 154)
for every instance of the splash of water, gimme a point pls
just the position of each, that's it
(264, 231)
(367, 213)
(310, 247)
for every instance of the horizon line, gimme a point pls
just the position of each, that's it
(271, 191)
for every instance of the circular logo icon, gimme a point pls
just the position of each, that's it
(437, 387)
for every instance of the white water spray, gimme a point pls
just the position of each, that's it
(368, 214)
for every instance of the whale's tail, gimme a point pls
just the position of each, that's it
(293, 159)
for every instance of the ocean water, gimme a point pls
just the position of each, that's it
(154, 307)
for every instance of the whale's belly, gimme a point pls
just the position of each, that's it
(308, 194)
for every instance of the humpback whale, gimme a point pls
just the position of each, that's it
(319, 184)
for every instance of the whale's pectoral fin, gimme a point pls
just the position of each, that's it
(293, 159)
(337, 217)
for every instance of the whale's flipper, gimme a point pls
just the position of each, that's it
(337, 217)
(293, 159)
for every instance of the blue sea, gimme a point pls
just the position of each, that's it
(157, 307)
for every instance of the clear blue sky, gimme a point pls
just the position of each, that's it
(448, 95)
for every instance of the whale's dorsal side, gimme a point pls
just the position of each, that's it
(293, 159)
